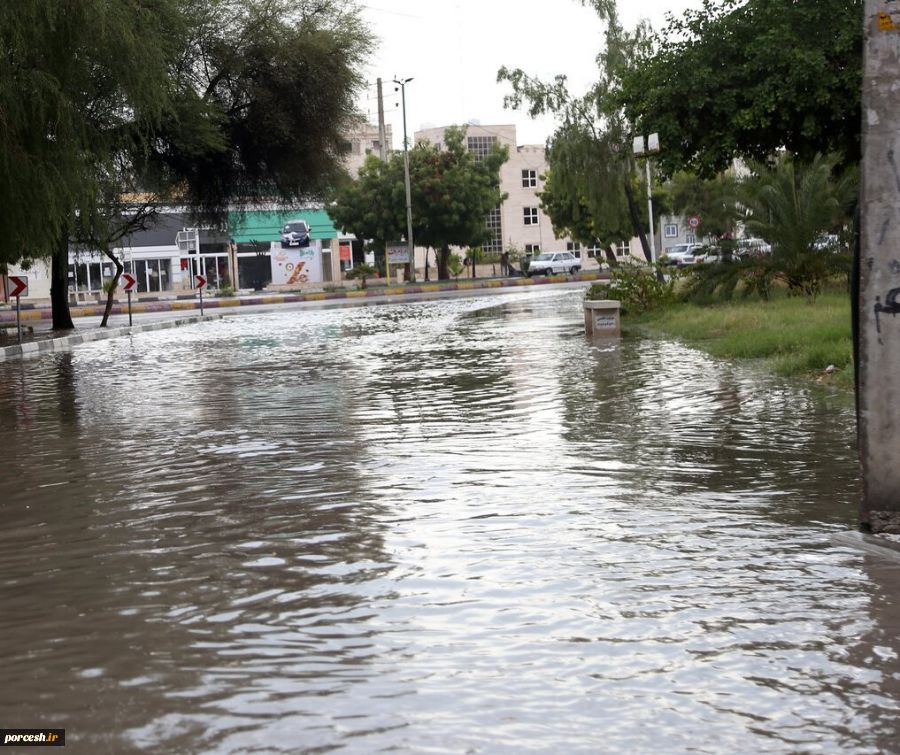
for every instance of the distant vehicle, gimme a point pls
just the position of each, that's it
(708, 255)
(548, 263)
(680, 254)
(295, 233)
(828, 242)
(752, 248)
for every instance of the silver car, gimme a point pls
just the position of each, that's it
(548, 263)
(680, 254)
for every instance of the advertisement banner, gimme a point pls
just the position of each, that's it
(295, 266)
(398, 255)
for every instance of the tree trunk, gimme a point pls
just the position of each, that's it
(110, 296)
(443, 262)
(59, 284)
(636, 221)
(611, 256)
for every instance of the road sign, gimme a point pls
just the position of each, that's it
(200, 280)
(17, 285)
(694, 221)
(129, 282)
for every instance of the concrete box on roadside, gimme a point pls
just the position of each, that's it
(602, 318)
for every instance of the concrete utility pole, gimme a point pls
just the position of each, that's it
(879, 294)
(401, 84)
(382, 133)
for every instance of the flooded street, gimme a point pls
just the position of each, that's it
(453, 526)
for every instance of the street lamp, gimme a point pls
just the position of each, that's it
(641, 150)
(401, 84)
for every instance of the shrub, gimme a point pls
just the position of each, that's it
(455, 265)
(637, 287)
(362, 271)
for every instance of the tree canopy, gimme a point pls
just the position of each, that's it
(81, 81)
(214, 104)
(745, 78)
(452, 194)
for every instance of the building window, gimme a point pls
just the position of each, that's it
(532, 248)
(691, 238)
(530, 215)
(670, 231)
(495, 228)
(623, 249)
(529, 179)
(481, 146)
(595, 250)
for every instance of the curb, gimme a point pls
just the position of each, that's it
(871, 544)
(173, 305)
(36, 348)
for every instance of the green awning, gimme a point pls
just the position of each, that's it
(259, 225)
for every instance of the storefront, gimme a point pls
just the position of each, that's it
(254, 233)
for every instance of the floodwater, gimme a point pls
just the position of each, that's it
(453, 526)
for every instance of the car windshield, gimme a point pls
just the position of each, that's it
(678, 249)
(296, 228)
(544, 256)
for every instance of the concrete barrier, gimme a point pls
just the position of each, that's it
(602, 318)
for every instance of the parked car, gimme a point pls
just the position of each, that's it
(680, 254)
(295, 233)
(708, 255)
(752, 248)
(548, 263)
(827, 243)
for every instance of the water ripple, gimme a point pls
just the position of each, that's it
(451, 526)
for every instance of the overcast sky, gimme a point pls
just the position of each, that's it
(453, 48)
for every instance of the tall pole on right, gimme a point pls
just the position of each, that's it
(650, 212)
(879, 280)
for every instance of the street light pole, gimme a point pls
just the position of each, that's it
(652, 147)
(409, 231)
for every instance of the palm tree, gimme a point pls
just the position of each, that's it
(792, 206)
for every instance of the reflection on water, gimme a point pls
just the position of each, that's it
(449, 526)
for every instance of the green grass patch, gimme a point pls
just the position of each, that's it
(794, 336)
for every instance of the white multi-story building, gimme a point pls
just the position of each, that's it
(519, 223)
(362, 141)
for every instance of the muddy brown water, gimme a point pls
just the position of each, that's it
(451, 526)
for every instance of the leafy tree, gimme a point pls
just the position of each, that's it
(266, 89)
(452, 193)
(211, 103)
(748, 77)
(373, 207)
(81, 81)
(591, 165)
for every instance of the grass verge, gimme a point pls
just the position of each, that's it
(793, 336)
